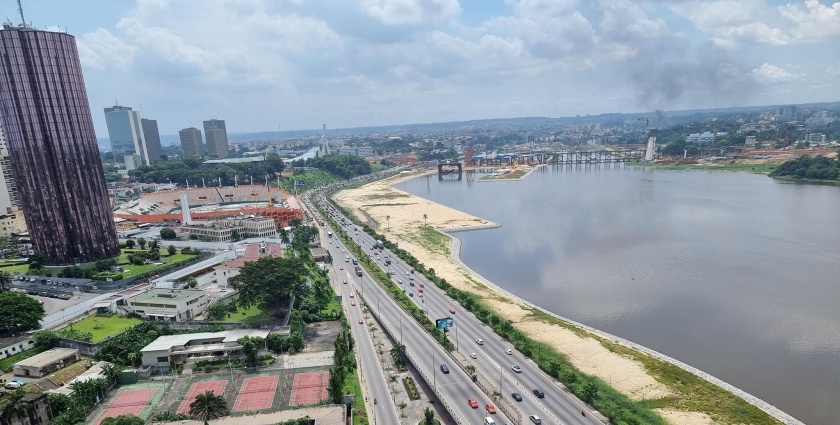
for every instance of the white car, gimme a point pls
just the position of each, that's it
(516, 368)
(352, 295)
(508, 351)
(11, 385)
(479, 341)
(473, 355)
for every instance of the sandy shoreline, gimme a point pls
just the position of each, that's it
(401, 216)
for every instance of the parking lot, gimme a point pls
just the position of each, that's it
(55, 293)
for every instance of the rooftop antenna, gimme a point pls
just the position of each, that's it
(22, 19)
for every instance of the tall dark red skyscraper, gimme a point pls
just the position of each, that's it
(52, 146)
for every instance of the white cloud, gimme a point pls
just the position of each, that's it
(771, 74)
(411, 12)
(382, 61)
(624, 19)
(100, 47)
(814, 21)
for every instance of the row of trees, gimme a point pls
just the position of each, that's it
(181, 170)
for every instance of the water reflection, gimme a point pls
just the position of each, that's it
(732, 273)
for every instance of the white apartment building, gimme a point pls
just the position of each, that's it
(223, 230)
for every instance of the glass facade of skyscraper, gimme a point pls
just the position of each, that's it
(52, 147)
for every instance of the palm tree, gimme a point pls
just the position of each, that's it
(284, 236)
(5, 280)
(428, 417)
(16, 406)
(208, 406)
(424, 219)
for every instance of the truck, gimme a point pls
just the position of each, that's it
(329, 234)
(379, 244)
(358, 271)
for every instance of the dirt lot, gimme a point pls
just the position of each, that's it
(320, 336)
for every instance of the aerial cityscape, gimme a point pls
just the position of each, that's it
(419, 212)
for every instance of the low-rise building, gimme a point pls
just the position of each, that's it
(750, 141)
(233, 228)
(173, 305)
(253, 252)
(39, 413)
(46, 363)
(191, 348)
(13, 345)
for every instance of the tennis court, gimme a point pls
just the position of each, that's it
(256, 393)
(217, 387)
(128, 401)
(309, 388)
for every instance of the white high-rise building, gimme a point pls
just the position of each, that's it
(125, 129)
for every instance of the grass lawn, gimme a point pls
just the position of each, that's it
(6, 364)
(122, 260)
(253, 312)
(165, 258)
(103, 326)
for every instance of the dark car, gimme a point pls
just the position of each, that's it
(516, 396)
(539, 393)
(444, 368)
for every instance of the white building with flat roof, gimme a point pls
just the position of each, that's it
(172, 305)
(192, 348)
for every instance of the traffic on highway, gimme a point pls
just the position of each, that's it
(527, 394)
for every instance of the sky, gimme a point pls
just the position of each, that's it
(264, 65)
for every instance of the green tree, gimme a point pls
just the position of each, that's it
(45, 339)
(5, 281)
(127, 419)
(130, 243)
(270, 282)
(250, 346)
(284, 236)
(428, 417)
(590, 391)
(167, 234)
(19, 313)
(142, 243)
(154, 245)
(335, 383)
(208, 406)
(16, 406)
(111, 372)
(171, 250)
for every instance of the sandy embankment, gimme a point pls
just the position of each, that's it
(400, 216)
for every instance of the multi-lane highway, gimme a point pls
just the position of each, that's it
(453, 388)
(493, 358)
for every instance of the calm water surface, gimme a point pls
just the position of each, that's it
(735, 274)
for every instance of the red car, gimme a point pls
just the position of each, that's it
(451, 311)
(472, 403)
(490, 408)
(361, 320)
(352, 302)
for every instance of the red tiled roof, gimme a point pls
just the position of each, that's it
(252, 253)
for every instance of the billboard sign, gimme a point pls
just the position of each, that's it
(444, 323)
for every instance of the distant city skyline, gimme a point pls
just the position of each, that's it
(353, 64)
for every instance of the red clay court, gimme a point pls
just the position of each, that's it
(256, 393)
(218, 388)
(309, 388)
(128, 401)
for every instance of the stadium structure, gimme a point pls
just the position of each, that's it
(212, 203)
